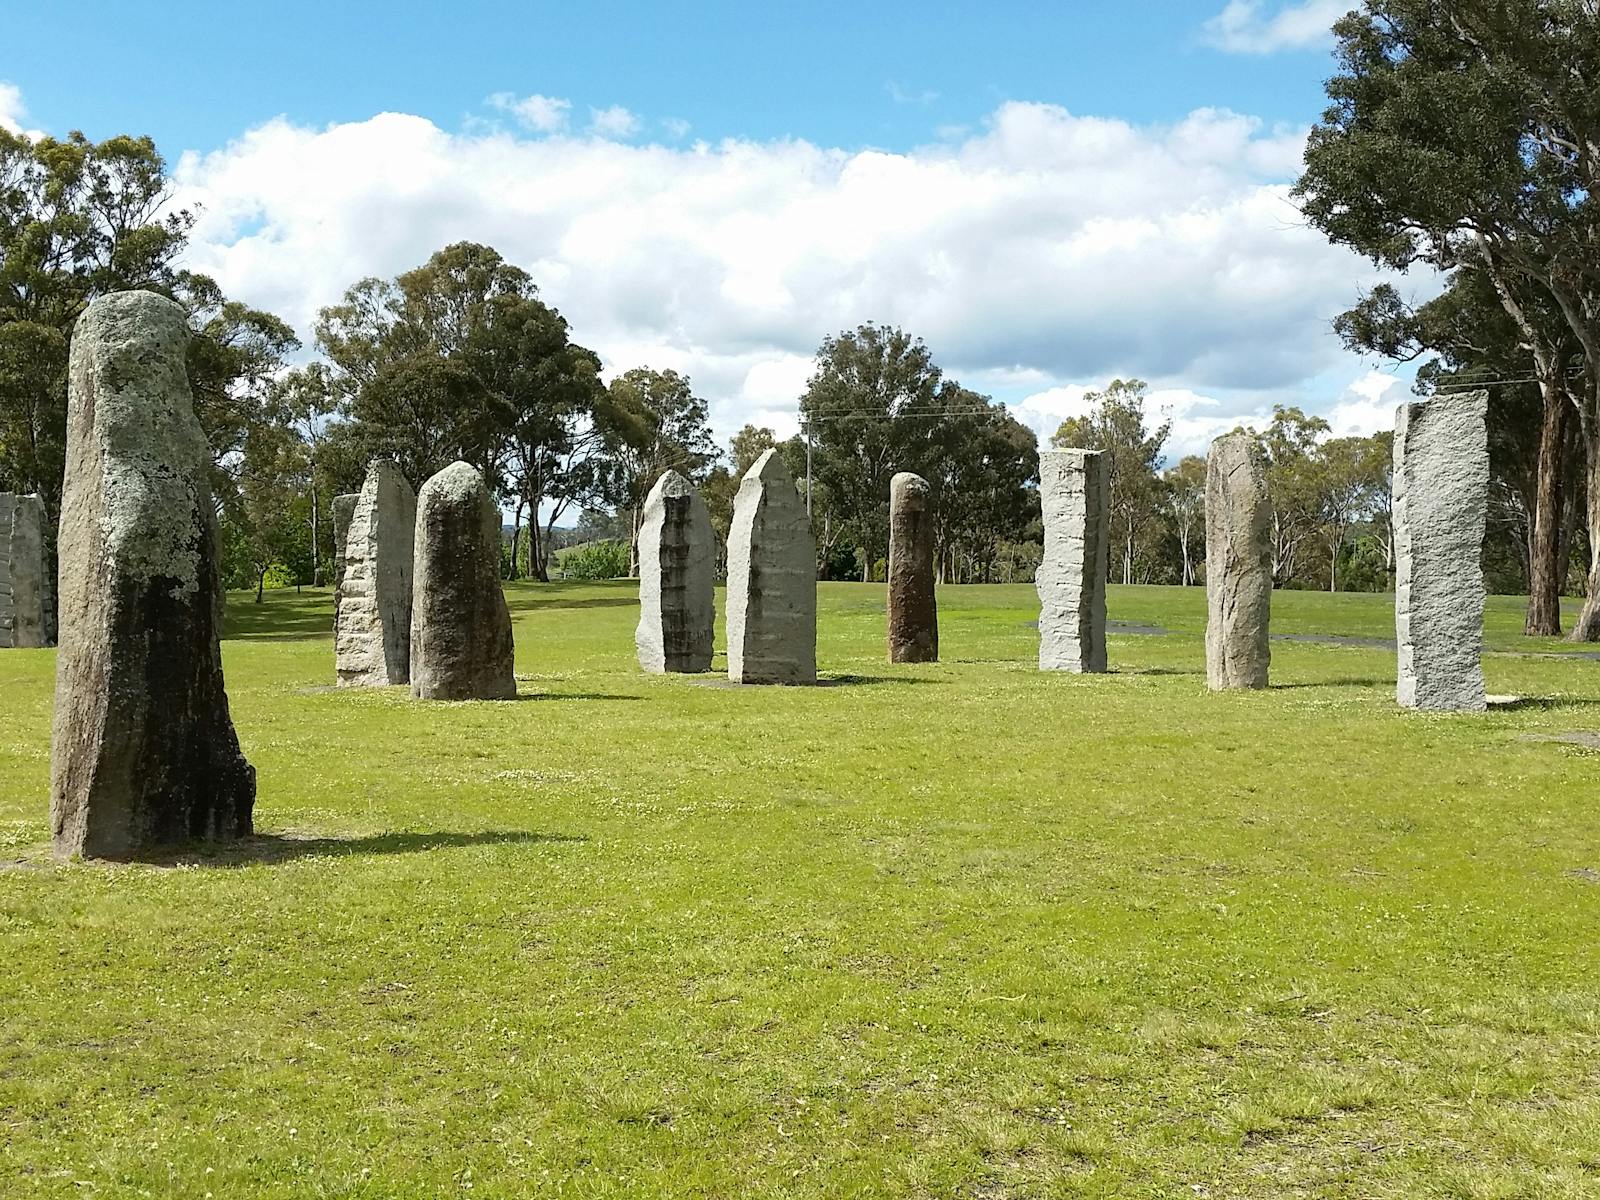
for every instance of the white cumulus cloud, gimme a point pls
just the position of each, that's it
(1039, 254)
(542, 114)
(13, 110)
(1249, 27)
(613, 122)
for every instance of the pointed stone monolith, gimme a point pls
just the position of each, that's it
(24, 583)
(372, 636)
(1238, 564)
(772, 580)
(460, 627)
(913, 610)
(677, 568)
(144, 750)
(1071, 579)
(1441, 501)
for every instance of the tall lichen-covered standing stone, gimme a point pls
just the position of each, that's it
(677, 568)
(1071, 579)
(772, 580)
(24, 584)
(372, 634)
(144, 749)
(1441, 494)
(913, 611)
(1238, 564)
(460, 626)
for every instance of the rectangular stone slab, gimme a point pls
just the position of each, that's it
(1074, 490)
(1441, 501)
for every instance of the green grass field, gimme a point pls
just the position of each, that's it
(955, 930)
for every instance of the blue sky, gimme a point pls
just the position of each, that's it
(1051, 194)
(195, 75)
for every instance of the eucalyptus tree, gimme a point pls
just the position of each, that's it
(1467, 136)
(1116, 424)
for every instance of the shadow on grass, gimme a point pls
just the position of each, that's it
(1332, 683)
(533, 604)
(854, 680)
(524, 696)
(1542, 703)
(269, 848)
(1158, 670)
(283, 615)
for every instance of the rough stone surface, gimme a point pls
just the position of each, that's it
(460, 626)
(372, 604)
(913, 610)
(1441, 497)
(1074, 488)
(24, 582)
(677, 568)
(1238, 564)
(772, 580)
(344, 507)
(144, 749)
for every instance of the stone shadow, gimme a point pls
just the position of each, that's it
(270, 848)
(1321, 683)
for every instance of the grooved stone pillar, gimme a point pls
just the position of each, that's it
(144, 750)
(772, 580)
(1441, 497)
(677, 563)
(460, 626)
(1238, 564)
(913, 611)
(372, 609)
(24, 585)
(1074, 490)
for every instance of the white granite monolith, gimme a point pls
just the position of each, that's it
(1441, 501)
(1238, 564)
(144, 752)
(372, 604)
(772, 580)
(1074, 491)
(461, 645)
(913, 608)
(677, 569)
(24, 584)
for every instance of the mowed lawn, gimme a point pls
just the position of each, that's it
(955, 930)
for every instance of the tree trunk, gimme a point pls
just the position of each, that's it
(1546, 572)
(516, 538)
(316, 550)
(536, 566)
(1587, 627)
(261, 582)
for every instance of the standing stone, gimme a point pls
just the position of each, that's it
(1074, 488)
(24, 588)
(1238, 564)
(913, 611)
(1441, 499)
(460, 626)
(372, 608)
(772, 580)
(144, 750)
(344, 507)
(677, 563)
